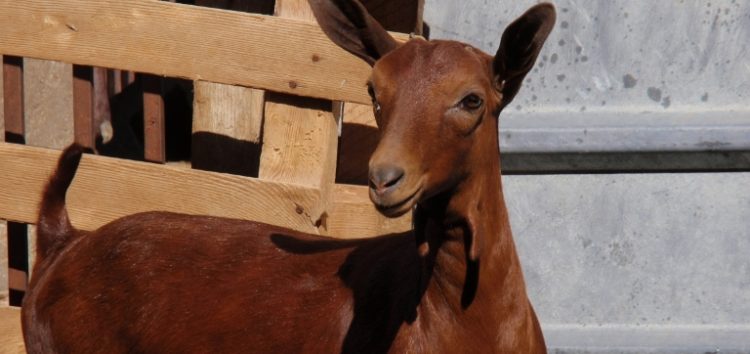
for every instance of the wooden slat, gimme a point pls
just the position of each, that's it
(299, 142)
(11, 336)
(234, 111)
(100, 100)
(197, 43)
(13, 99)
(83, 105)
(300, 136)
(106, 188)
(15, 130)
(227, 123)
(154, 132)
(227, 119)
(295, 9)
(352, 215)
(299, 146)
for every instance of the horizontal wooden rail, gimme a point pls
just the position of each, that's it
(107, 188)
(164, 38)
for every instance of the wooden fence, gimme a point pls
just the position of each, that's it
(271, 80)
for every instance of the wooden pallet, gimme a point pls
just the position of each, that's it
(274, 80)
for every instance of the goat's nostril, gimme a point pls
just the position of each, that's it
(385, 177)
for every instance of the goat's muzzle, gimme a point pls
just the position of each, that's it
(389, 191)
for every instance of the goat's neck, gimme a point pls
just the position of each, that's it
(491, 285)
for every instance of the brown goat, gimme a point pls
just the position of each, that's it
(160, 282)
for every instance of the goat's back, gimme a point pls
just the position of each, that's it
(169, 283)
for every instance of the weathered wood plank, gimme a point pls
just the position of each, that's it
(299, 142)
(106, 188)
(227, 123)
(229, 47)
(13, 99)
(300, 137)
(15, 131)
(83, 105)
(352, 215)
(233, 111)
(154, 129)
(294, 9)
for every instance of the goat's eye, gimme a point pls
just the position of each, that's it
(375, 103)
(471, 102)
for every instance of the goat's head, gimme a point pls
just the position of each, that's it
(436, 102)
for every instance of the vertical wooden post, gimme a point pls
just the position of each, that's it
(102, 116)
(83, 105)
(227, 120)
(18, 262)
(299, 135)
(227, 123)
(153, 119)
(13, 99)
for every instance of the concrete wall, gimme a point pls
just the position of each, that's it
(637, 260)
(639, 56)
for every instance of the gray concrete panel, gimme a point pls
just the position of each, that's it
(618, 258)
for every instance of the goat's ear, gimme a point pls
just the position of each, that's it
(348, 24)
(519, 47)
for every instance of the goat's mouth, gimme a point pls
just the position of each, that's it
(393, 210)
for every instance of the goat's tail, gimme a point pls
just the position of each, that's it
(54, 229)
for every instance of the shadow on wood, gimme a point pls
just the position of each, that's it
(357, 143)
(240, 157)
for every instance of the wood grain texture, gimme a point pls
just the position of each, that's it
(11, 336)
(154, 129)
(300, 137)
(229, 47)
(299, 141)
(352, 215)
(106, 188)
(227, 124)
(233, 111)
(296, 9)
(299, 146)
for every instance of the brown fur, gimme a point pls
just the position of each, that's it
(169, 283)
